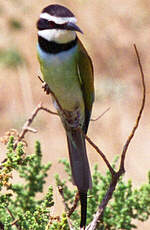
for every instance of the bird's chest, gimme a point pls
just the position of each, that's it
(59, 69)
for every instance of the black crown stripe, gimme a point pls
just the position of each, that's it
(58, 11)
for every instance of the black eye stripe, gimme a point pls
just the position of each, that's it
(44, 24)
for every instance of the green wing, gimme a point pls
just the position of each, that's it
(86, 76)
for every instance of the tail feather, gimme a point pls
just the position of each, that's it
(80, 169)
(83, 201)
(78, 159)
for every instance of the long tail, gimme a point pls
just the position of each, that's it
(83, 201)
(80, 168)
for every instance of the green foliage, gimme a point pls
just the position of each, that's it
(15, 24)
(10, 58)
(20, 209)
(19, 201)
(126, 205)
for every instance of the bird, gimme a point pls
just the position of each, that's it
(67, 69)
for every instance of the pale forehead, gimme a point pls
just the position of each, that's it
(58, 20)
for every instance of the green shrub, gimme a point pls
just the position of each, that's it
(15, 24)
(10, 58)
(20, 209)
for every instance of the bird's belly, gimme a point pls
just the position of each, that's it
(65, 85)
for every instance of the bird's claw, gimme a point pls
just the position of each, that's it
(72, 120)
(46, 88)
(73, 124)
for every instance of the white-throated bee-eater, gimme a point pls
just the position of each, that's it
(67, 69)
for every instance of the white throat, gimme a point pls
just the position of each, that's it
(57, 35)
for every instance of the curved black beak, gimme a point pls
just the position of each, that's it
(72, 26)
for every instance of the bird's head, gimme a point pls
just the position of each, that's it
(58, 24)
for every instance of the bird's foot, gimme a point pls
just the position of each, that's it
(73, 124)
(73, 119)
(46, 88)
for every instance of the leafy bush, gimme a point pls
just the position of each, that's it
(15, 24)
(20, 209)
(10, 58)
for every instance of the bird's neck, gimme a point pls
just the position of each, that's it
(52, 47)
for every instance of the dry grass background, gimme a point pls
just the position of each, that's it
(110, 29)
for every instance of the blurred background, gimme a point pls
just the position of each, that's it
(111, 27)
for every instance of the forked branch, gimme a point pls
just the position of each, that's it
(26, 127)
(116, 175)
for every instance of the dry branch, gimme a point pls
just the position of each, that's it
(100, 153)
(123, 155)
(26, 127)
(74, 206)
(14, 220)
(116, 175)
(67, 209)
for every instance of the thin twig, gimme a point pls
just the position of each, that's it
(101, 115)
(101, 208)
(14, 220)
(123, 155)
(101, 154)
(74, 206)
(60, 189)
(26, 127)
(49, 111)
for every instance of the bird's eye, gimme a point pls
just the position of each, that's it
(52, 24)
